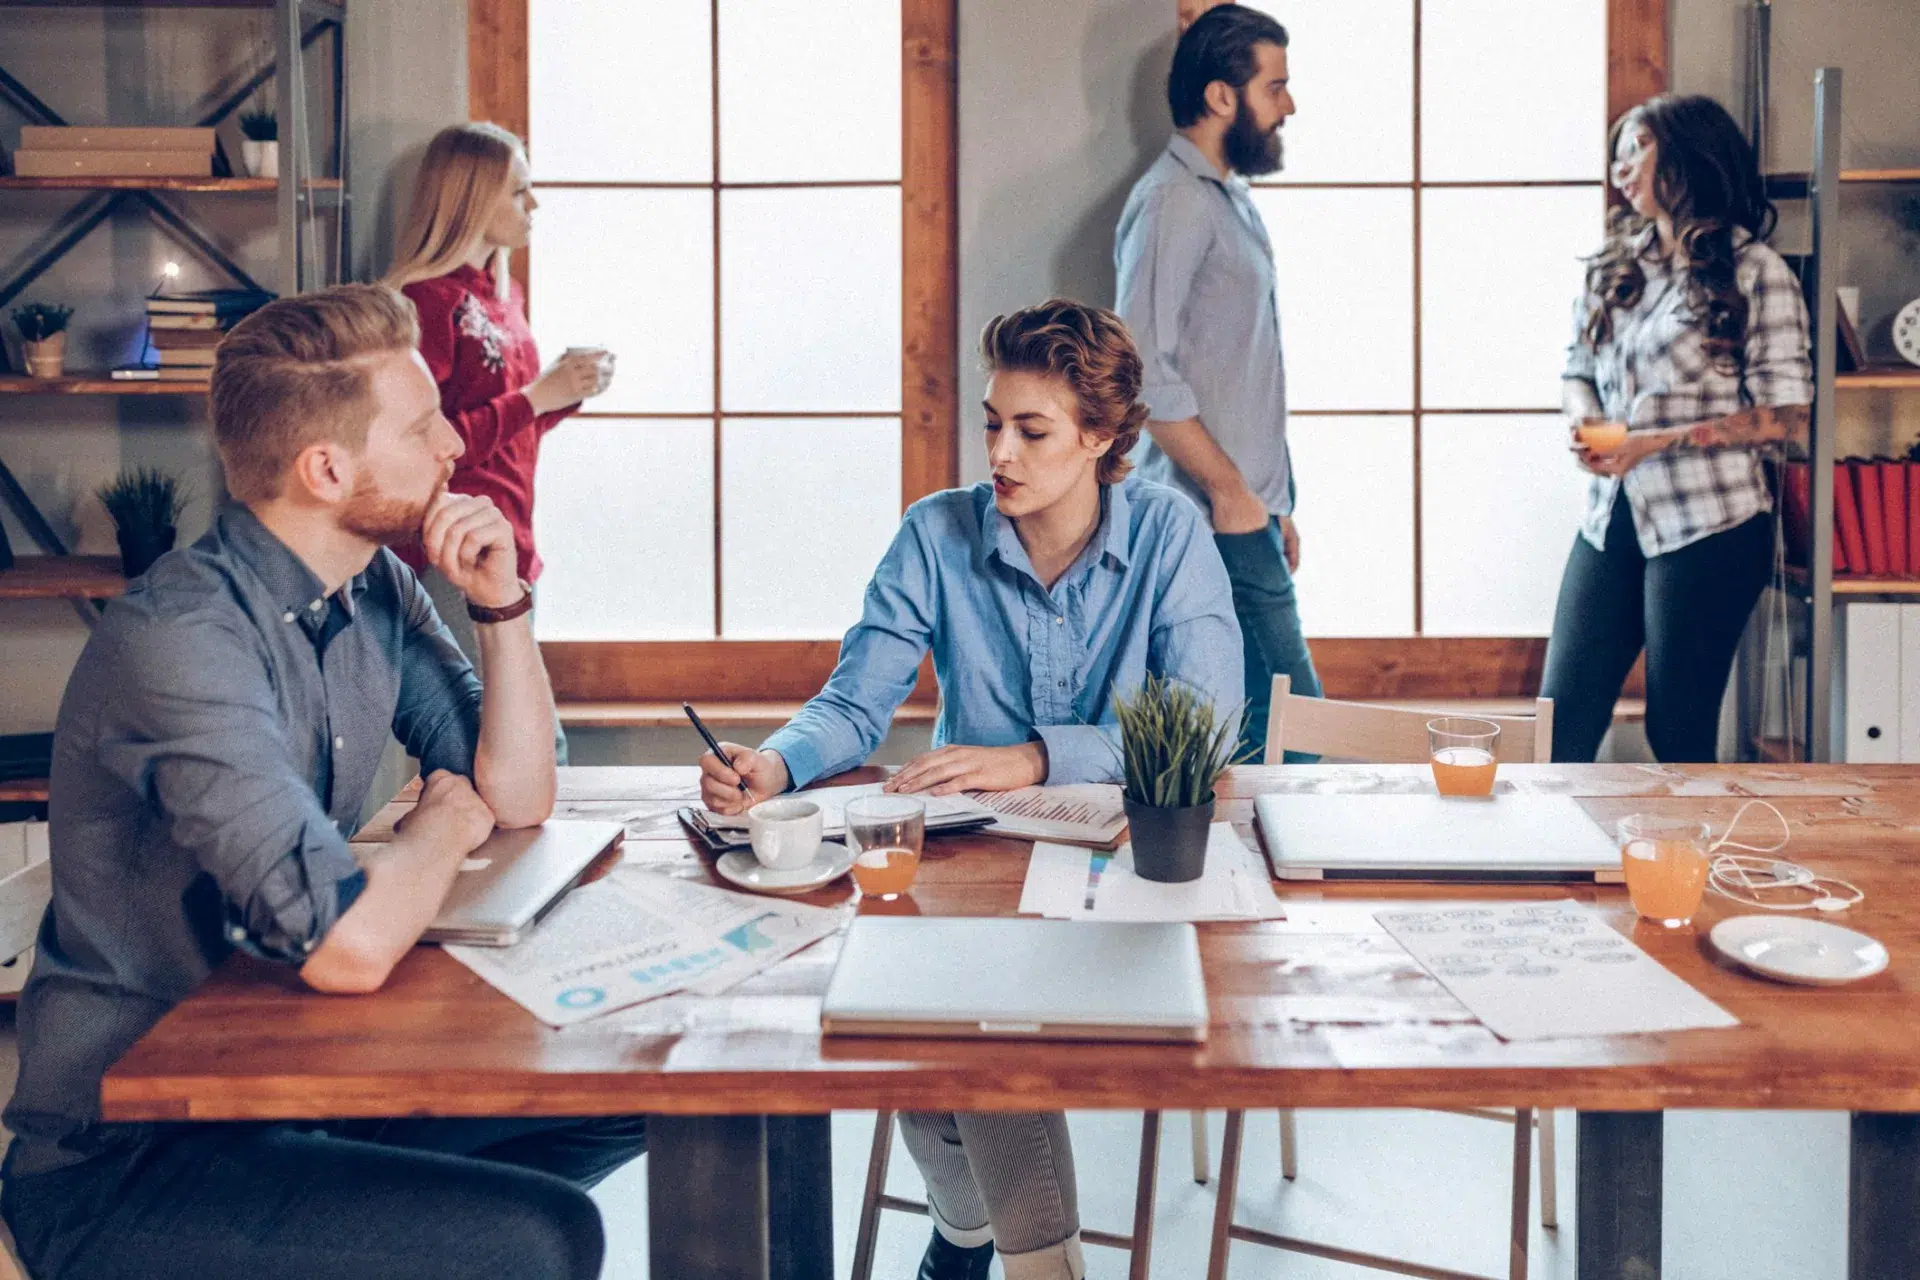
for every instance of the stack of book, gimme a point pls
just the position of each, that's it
(185, 328)
(86, 152)
(1876, 516)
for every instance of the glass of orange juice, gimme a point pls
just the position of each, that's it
(1602, 436)
(1463, 755)
(1665, 860)
(884, 834)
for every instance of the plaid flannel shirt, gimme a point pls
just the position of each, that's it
(1654, 372)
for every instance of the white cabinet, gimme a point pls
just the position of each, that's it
(1876, 702)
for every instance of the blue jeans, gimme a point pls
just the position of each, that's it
(1269, 628)
(408, 1199)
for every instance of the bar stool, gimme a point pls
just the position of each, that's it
(1139, 1242)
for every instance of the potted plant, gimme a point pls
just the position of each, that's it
(260, 142)
(145, 504)
(43, 327)
(1174, 747)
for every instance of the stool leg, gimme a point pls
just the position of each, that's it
(1522, 1222)
(1228, 1186)
(870, 1200)
(1549, 1172)
(1202, 1158)
(1143, 1197)
(1289, 1146)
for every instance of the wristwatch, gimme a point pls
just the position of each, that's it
(480, 613)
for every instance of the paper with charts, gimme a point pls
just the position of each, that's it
(1089, 813)
(636, 935)
(1066, 882)
(1542, 970)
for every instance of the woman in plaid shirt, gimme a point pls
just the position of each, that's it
(1693, 335)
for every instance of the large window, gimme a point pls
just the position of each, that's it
(751, 205)
(1443, 177)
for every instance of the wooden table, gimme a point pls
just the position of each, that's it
(741, 1084)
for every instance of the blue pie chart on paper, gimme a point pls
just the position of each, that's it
(580, 997)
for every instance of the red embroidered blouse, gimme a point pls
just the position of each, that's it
(481, 352)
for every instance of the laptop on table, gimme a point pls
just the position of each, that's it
(510, 883)
(1506, 837)
(1017, 979)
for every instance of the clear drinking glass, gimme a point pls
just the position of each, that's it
(885, 834)
(1665, 860)
(1463, 755)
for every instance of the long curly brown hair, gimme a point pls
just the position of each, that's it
(1707, 179)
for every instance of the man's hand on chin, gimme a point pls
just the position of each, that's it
(471, 544)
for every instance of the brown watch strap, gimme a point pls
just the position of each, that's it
(480, 613)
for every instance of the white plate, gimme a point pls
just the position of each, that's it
(1812, 952)
(741, 868)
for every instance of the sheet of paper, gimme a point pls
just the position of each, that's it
(833, 807)
(634, 936)
(1409, 1044)
(1084, 813)
(1542, 970)
(1070, 883)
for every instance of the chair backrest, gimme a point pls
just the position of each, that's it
(1389, 735)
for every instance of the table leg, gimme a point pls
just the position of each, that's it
(740, 1197)
(1617, 1191)
(1885, 1186)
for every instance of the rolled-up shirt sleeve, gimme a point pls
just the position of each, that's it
(1776, 368)
(1580, 364)
(199, 736)
(879, 662)
(437, 717)
(1157, 254)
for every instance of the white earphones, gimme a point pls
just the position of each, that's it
(1747, 880)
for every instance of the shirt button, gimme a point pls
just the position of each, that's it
(1063, 684)
(287, 616)
(1060, 622)
(315, 606)
(339, 744)
(237, 933)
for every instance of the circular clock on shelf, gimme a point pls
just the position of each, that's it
(1906, 332)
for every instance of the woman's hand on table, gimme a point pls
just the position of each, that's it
(764, 772)
(947, 770)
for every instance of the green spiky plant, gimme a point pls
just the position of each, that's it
(259, 125)
(1174, 744)
(143, 501)
(38, 321)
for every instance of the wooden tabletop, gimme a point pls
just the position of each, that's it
(252, 1043)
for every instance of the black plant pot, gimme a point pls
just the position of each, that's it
(1169, 845)
(140, 548)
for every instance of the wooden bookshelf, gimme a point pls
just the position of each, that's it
(24, 791)
(1882, 378)
(77, 183)
(1850, 585)
(99, 384)
(62, 577)
(1798, 184)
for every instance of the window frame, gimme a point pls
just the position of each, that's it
(786, 671)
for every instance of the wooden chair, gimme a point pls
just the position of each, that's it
(1139, 1242)
(1389, 735)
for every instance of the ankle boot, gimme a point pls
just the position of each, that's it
(945, 1260)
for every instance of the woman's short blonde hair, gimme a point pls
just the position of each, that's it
(467, 170)
(1090, 348)
(295, 373)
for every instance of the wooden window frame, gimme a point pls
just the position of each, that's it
(786, 671)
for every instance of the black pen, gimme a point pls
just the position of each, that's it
(723, 757)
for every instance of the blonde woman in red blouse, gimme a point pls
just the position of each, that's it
(472, 207)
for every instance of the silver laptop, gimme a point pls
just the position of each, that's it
(1431, 837)
(1024, 979)
(511, 881)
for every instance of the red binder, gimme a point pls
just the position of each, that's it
(1893, 497)
(1913, 518)
(1873, 517)
(1796, 501)
(1846, 522)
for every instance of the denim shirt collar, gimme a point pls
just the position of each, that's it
(295, 587)
(1181, 148)
(1110, 541)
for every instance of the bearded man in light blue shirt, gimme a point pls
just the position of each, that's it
(1196, 287)
(1041, 595)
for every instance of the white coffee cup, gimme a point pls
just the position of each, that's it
(785, 832)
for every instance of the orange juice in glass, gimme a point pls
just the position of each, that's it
(1665, 860)
(1601, 436)
(885, 834)
(1462, 751)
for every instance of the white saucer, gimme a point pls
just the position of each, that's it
(1811, 952)
(740, 867)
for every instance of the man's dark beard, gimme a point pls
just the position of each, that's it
(1250, 152)
(372, 515)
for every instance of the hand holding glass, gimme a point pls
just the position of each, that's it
(1463, 755)
(885, 834)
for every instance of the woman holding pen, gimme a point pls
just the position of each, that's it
(1040, 595)
(472, 207)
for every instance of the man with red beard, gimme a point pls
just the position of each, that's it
(216, 742)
